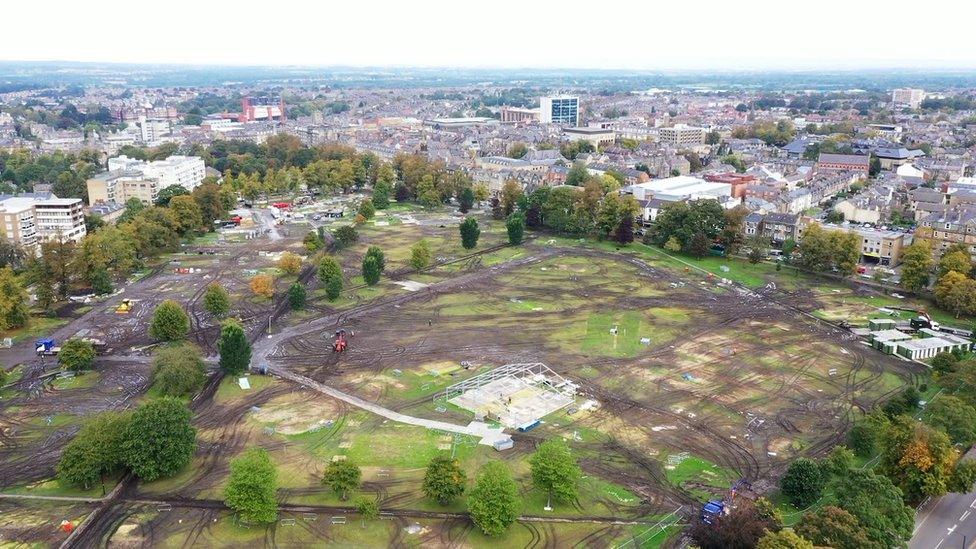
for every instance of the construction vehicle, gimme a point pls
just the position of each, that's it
(339, 345)
(124, 307)
(712, 510)
(717, 508)
(46, 347)
(923, 320)
(99, 345)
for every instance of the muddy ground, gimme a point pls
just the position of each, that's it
(739, 379)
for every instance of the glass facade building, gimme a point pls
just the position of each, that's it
(560, 110)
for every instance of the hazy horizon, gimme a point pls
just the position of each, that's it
(566, 35)
(513, 68)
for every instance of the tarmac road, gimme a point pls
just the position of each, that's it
(267, 221)
(948, 522)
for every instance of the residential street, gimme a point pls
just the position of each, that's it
(947, 522)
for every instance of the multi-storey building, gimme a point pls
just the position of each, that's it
(130, 178)
(563, 109)
(777, 227)
(29, 219)
(17, 223)
(518, 114)
(60, 219)
(907, 97)
(943, 229)
(598, 137)
(121, 185)
(858, 163)
(877, 246)
(682, 135)
(153, 129)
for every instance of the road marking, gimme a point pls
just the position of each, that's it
(938, 544)
(952, 528)
(964, 516)
(973, 504)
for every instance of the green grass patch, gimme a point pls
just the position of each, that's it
(698, 475)
(624, 343)
(229, 390)
(37, 326)
(54, 487)
(79, 381)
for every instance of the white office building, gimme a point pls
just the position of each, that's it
(655, 194)
(32, 218)
(186, 171)
(561, 109)
(153, 129)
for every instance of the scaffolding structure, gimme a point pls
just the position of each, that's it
(517, 395)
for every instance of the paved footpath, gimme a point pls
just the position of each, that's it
(485, 433)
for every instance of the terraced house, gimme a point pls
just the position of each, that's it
(950, 227)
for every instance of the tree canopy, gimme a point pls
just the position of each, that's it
(95, 452)
(803, 482)
(494, 502)
(342, 476)
(235, 349)
(469, 233)
(159, 440)
(76, 355)
(169, 322)
(444, 480)
(178, 370)
(421, 255)
(252, 487)
(555, 470)
(216, 300)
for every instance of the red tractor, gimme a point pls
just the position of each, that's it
(340, 341)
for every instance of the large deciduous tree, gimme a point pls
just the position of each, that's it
(76, 355)
(784, 539)
(178, 370)
(342, 476)
(918, 459)
(262, 285)
(494, 502)
(831, 526)
(95, 452)
(14, 312)
(252, 487)
(159, 440)
(290, 263)
(877, 504)
(216, 300)
(444, 480)
(421, 255)
(955, 417)
(803, 482)
(555, 470)
(742, 528)
(916, 265)
(169, 322)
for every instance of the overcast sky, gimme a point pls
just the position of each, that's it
(643, 34)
